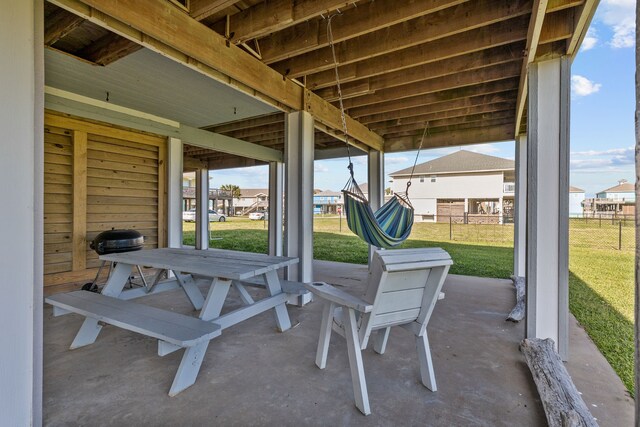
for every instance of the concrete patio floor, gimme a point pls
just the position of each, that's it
(253, 375)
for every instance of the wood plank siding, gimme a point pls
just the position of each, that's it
(97, 177)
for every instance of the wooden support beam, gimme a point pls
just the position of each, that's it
(108, 49)
(364, 18)
(467, 78)
(192, 163)
(459, 106)
(556, 5)
(557, 26)
(451, 138)
(533, 38)
(498, 34)
(480, 119)
(472, 61)
(454, 125)
(59, 24)
(267, 119)
(273, 16)
(233, 162)
(437, 97)
(441, 115)
(464, 17)
(79, 236)
(583, 18)
(183, 39)
(202, 9)
(258, 130)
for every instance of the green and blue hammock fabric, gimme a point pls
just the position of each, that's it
(387, 227)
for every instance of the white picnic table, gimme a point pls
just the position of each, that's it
(220, 269)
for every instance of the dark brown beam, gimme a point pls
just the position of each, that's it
(468, 78)
(437, 97)
(435, 124)
(58, 24)
(202, 9)
(461, 18)
(498, 34)
(108, 49)
(366, 17)
(267, 119)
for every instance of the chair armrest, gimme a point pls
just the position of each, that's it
(328, 292)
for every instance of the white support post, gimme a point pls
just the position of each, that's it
(202, 209)
(547, 197)
(22, 171)
(276, 197)
(375, 162)
(174, 193)
(520, 215)
(298, 147)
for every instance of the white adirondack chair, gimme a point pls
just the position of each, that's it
(403, 288)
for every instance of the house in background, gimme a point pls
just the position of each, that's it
(462, 187)
(218, 199)
(615, 201)
(576, 199)
(251, 200)
(328, 202)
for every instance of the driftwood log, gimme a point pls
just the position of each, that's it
(562, 403)
(517, 314)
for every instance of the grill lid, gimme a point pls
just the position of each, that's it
(114, 241)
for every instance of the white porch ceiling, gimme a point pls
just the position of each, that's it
(152, 83)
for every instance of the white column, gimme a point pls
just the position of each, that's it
(375, 161)
(276, 197)
(298, 151)
(520, 214)
(174, 193)
(202, 209)
(547, 198)
(21, 169)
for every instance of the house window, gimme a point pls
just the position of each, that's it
(433, 178)
(421, 178)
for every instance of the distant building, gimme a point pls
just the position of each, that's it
(464, 186)
(327, 202)
(615, 201)
(576, 198)
(251, 200)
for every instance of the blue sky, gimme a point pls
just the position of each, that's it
(602, 116)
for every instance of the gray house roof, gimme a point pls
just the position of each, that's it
(460, 162)
(253, 192)
(573, 189)
(625, 187)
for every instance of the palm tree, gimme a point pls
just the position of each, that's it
(234, 189)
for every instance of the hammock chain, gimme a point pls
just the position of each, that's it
(415, 162)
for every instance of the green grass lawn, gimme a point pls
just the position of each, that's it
(600, 280)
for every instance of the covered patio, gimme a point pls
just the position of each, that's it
(131, 97)
(253, 375)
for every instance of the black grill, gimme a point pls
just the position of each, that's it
(115, 241)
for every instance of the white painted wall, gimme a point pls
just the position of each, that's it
(21, 169)
(628, 196)
(575, 204)
(470, 186)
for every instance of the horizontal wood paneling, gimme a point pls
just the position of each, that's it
(124, 190)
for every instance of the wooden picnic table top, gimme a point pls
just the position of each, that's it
(227, 264)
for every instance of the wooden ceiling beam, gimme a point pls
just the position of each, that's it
(557, 26)
(582, 20)
(202, 9)
(458, 64)
(464, 105)
(451, 137)
(556, 5)
(58, 24)
(450, 127)
(258, 130)
(178, 36)
(273, 16)
(108, 49)
(234, 162)
(423, 118)
(434, 124)
(507, 32)
(467, 78)
(437, 97)
(364, 18)
(464, 17)
(267, 119)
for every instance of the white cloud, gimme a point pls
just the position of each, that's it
(582, 86)
(389, 160)
(611, 160)
(620, 16)
(319, 167)
(590, 40)
(482, 148)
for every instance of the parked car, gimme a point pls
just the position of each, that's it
(190, 216)
(259, 215)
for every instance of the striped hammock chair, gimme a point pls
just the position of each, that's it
(387, 227)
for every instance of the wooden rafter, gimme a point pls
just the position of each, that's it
(451, 137)
(464, 17)
(59, 24)
(185, 40)
(364, 18)
(108, 49)
(202, 9)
